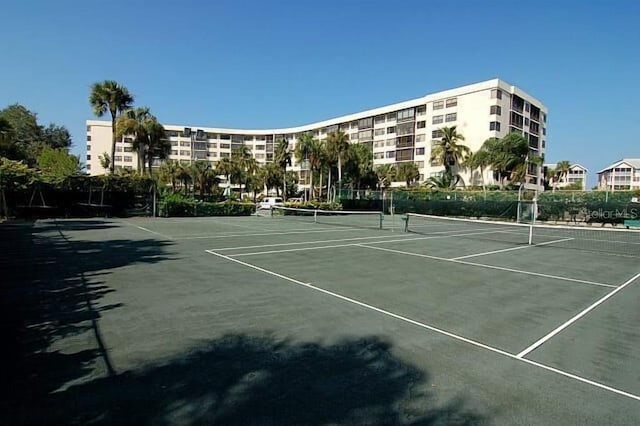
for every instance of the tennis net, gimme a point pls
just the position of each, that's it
(623, 242)
(355, 219)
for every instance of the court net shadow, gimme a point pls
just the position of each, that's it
(51, 289)
(242, 379)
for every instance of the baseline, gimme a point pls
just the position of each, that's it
(428, 327)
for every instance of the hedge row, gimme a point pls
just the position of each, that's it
(175, 207)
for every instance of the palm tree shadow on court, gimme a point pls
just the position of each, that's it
(50, 290)
(243, 379)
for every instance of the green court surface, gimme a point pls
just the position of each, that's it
(275, 320)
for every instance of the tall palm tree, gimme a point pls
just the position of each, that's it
(169, 173)
(359, 164)
(226, 168)
(158, 146)
(185, 175)
(132, 122)
(246, 164)
(409, 172)
(282, 157)
(386, 174)
(449, 150)
(204, 177)
(338, 149)
(508, 157)
(562, 170)
(110, 96)
(479, 160)
(308, 149)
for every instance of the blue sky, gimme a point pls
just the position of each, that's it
(253, 64)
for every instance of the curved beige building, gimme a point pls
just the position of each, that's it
(395, 133)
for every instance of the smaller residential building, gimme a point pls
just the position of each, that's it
(577, 173)
(622, 175)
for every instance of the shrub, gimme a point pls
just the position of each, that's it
(177, 205)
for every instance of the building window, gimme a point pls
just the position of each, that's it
(185, 152)
(174, 143)
(419, 151)
(421, 124)
(391, 142)
(259, 156)
(391, 116)
(365, 123)
(438, 105)
(380, 119)
(452, 102)
(437, 119)
(421, 110)
(404, 129)
(128, 140)
(378, 155)
(88, 138)
(379, 132)
(88, 166)
(213, 144)
(128, 159)
(494, 125)
(391, 154)
(88, 147)
(406, 114)
(391, 129)
(128, 149)
(526, 121)
(436, 134)
(526, 106)
(259, 147)
(88, 157)
(118, 149)
(225, 146)
(185, 143)
(496, 94)
(117, 158)
(174, 152)
(495, 110)
(353, 136)
(451, 117)
(88, 128)
(365, 135)
(421, 138)
(225, 155)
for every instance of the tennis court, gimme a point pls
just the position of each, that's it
(330, 319)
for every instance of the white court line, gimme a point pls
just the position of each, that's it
(509, 249)
(352, 244)
(301, 231)
(304, 242)
(500, 268)
(153, 232)
(429, 327)
(576, 318)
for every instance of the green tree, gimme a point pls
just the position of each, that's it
(112, 97)
(58, 162)
(338, 149)
(386, 174)
(409, 172)
(170, 173)
(204, 177)
(56, 136)
(105, 160)
(359, 164)
(479, 160)
(132, 122)
(508, 157)
(6, 138)
(158, 146)
(562, 170)
(282, 157)
(311, 150)
(271, 175)
(449, 151)
(245, 164)
(443, 181)
(226, 168)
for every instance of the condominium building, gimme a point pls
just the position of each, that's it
(402, 132)
(621, 175)
(576, 174)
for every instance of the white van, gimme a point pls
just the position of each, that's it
(269, 202)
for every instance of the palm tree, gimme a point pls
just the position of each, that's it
(158, 146)
(449, 150)
(105, 160)
(562, 170)
(359, 164)
(338, 149)
(409, 172)
(110, 96)
(508, 157)
(480, 160)
(282, 157)
(170, 172)
(308, 149)
(204, 177)
(386, 174)
(271, 177)
(132, 122)
(226, 168)
(443, 181)
(185, 176)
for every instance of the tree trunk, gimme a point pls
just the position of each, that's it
(311, 185)
(329, 187)
(284, 183)
(320, 185)
(112, 166)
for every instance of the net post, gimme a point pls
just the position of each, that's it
(530, 235)
(406, 223)
(271, 210)
(315, 216)
(381, 218)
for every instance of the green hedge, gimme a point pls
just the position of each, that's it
(315, 205)
(176, 205)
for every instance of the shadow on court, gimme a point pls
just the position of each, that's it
(240, 379)
(50, 290)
